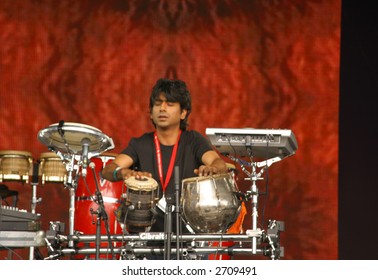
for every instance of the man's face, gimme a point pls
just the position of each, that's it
(166, 114)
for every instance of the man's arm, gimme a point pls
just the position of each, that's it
(119, 169)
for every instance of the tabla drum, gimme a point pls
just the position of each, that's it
(16, 166)
(85, 198)
(52, 169)
(141, 197)
(210, 203)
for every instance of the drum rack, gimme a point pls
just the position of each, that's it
(75, 144)
(194, 246)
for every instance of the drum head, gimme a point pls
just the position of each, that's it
(144, 184)
(49, 155)
(12, 153)
(67, 138)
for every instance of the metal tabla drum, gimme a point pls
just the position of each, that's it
(51, 168)
(15, 166)
(136, 212)
(210, 203)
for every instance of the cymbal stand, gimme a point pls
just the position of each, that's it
(62, 138)
(71, 184)
(68, 160)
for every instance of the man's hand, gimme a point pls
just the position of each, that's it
(204, 170)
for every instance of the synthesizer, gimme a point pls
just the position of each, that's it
(260, 143)
(12, 218)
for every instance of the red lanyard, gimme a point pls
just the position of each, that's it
(164, 184)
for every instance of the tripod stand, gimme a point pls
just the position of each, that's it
(253, 193)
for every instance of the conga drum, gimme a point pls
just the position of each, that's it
(15, 166)
(85, 198)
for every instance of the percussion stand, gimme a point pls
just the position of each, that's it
(254, 176)
(34, 200)
(168, 229)
(177, 211)
(254, 193)
(101, 215)
(168, 219)
(71, 184)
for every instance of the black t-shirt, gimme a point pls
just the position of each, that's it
(192, 146)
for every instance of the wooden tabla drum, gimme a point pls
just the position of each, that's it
(140, 199)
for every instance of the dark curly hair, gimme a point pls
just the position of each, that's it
(174, 91)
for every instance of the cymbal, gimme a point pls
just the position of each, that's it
(67, 137)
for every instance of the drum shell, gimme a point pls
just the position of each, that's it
(140, 199)
(210, 204)
(52, 169)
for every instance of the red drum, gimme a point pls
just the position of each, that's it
(111, 192)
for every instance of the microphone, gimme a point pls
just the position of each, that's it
(177, 177)
(85, 142)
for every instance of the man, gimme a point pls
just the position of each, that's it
(156, 154)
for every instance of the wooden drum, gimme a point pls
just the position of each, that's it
(15, 166)
(52, 169)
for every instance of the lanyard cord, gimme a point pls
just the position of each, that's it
(164, 183)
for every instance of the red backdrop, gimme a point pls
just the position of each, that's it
(260, 64)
